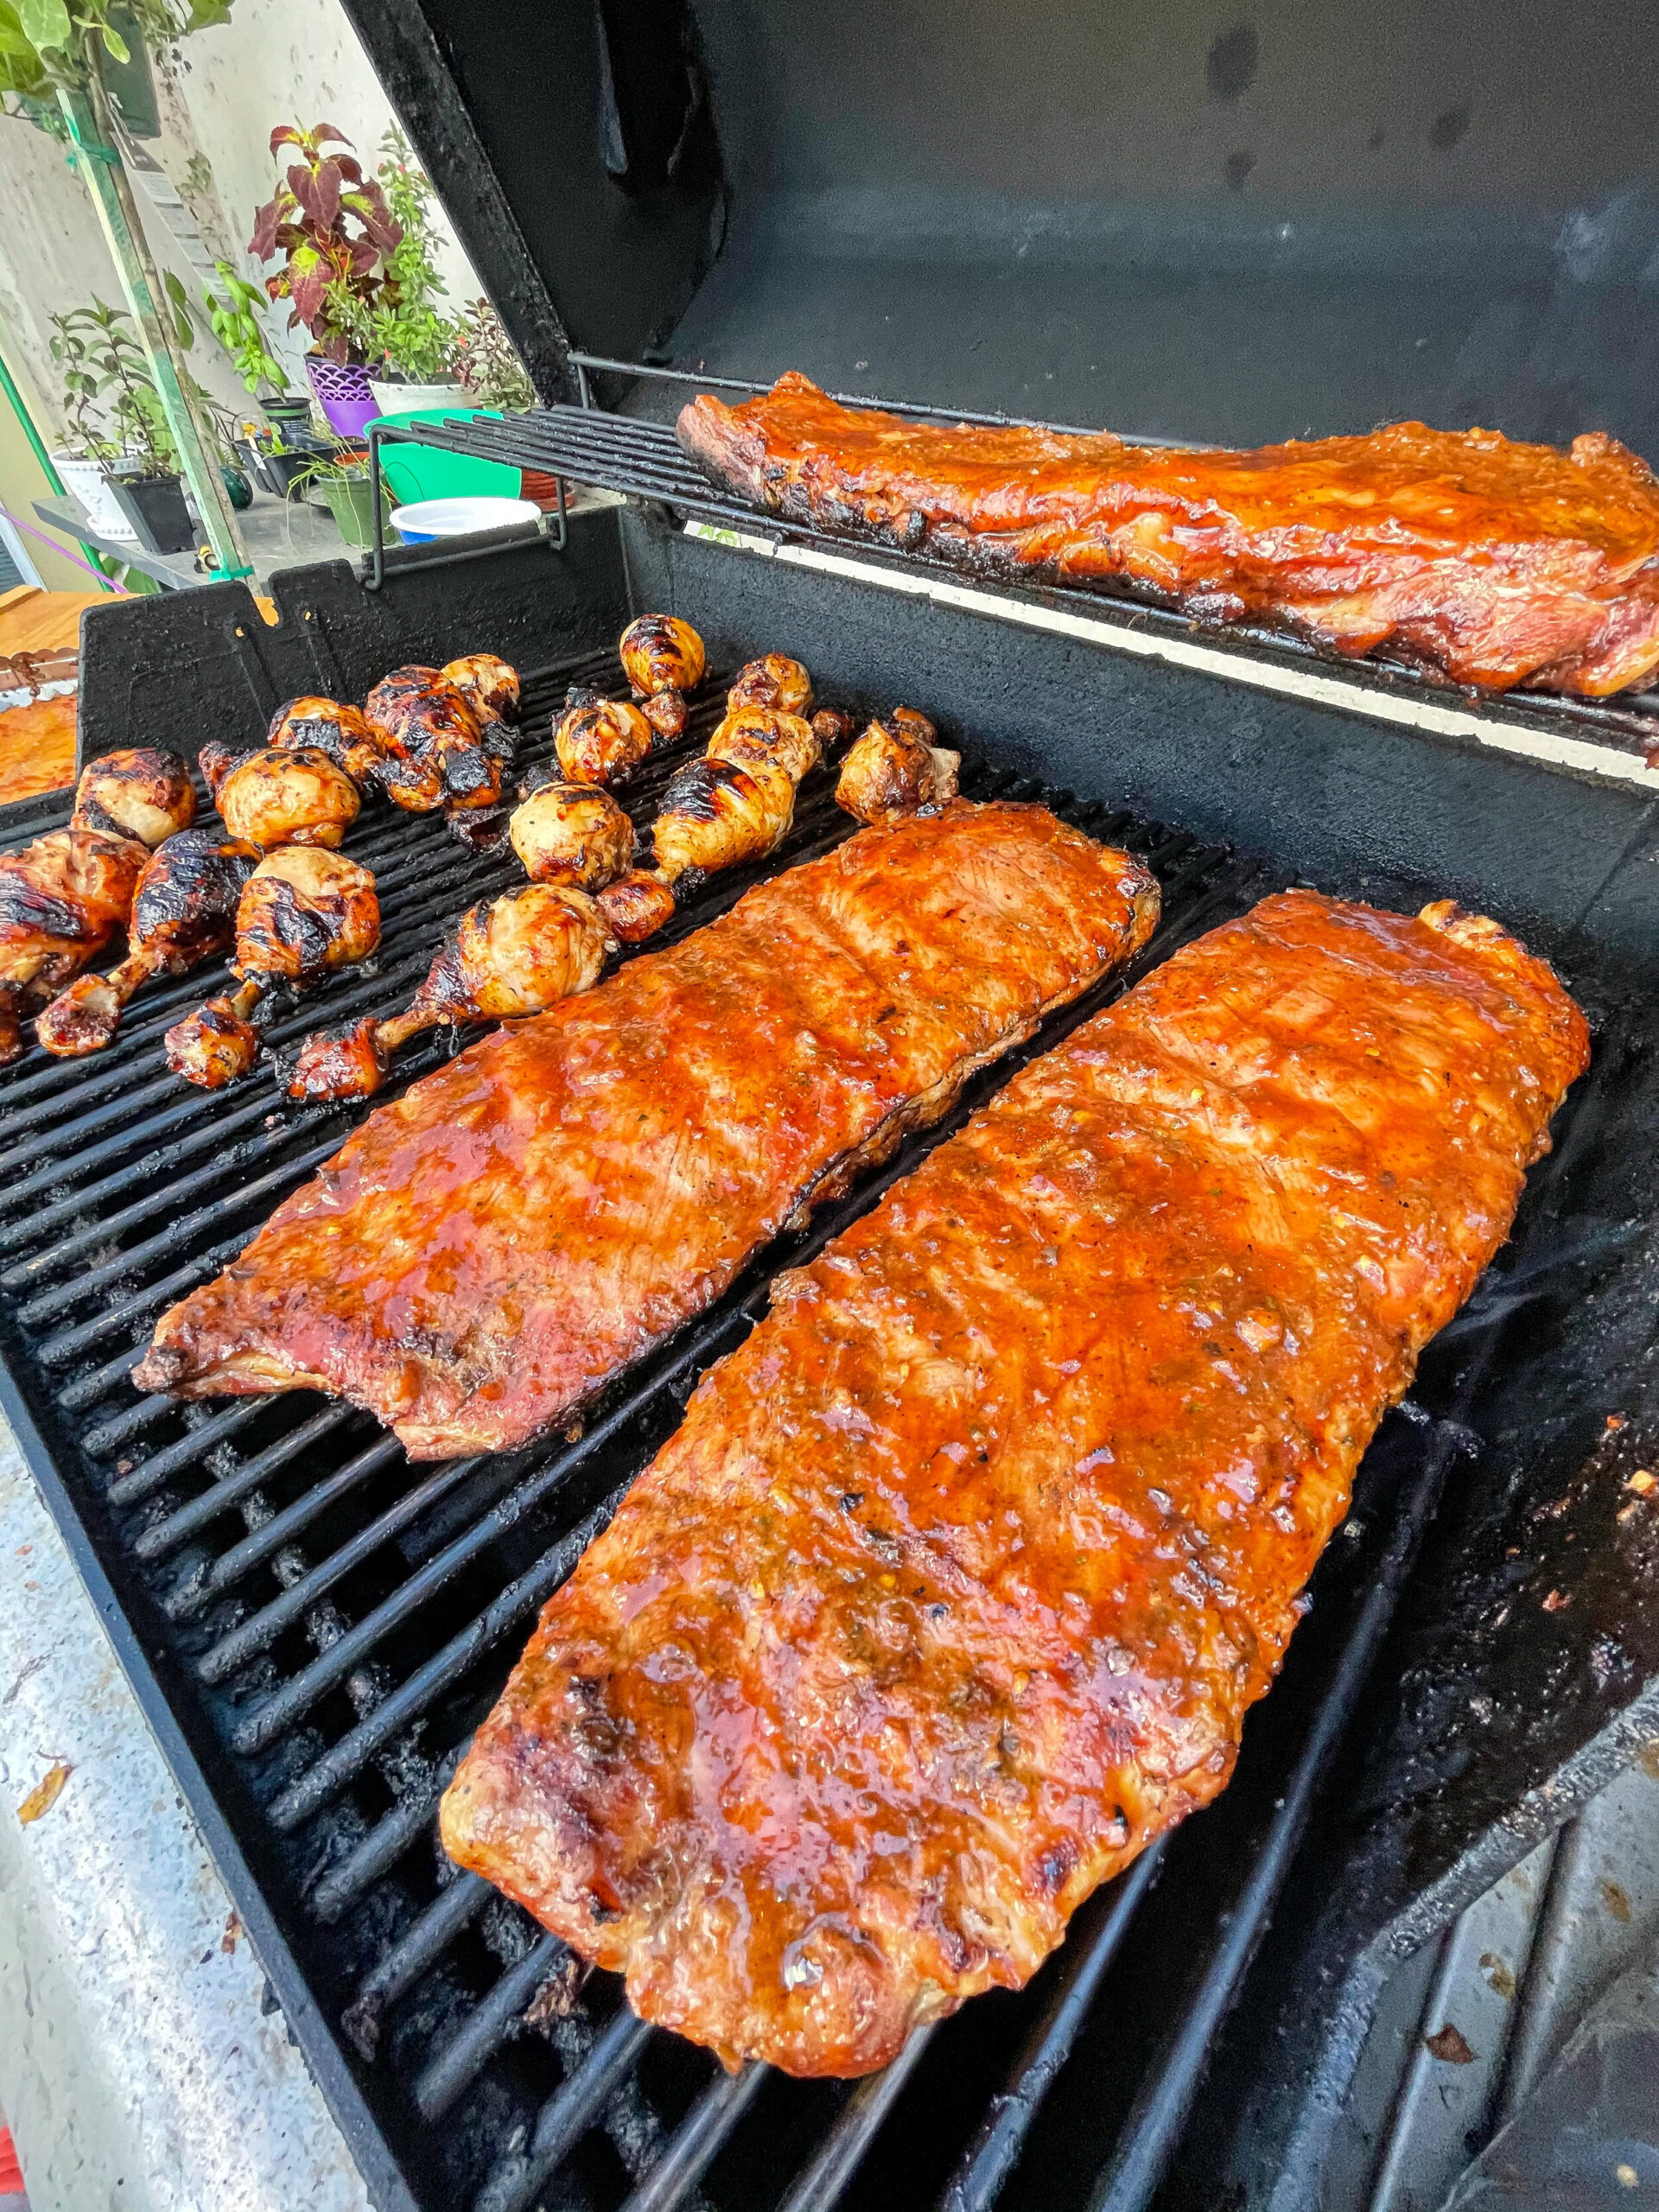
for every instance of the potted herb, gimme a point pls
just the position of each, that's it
(334, 231)
(412, 339)
(238, 323)
(342, 478)
(97, 346)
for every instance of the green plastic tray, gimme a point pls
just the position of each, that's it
(429, 473)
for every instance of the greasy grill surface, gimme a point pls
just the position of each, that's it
(642, 458)
(318, 1626)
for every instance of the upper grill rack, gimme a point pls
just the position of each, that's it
(640, 458)
(316, 1627)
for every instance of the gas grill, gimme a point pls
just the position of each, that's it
(315, 1627)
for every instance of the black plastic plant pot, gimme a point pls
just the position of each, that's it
(291, 407)
(282, 468)
(155, 506)
(253, 462)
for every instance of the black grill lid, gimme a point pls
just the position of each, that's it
(1242, 224)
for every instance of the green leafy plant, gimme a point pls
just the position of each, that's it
(490, 370)
(110, 396)
(238, 323)
(49, 44)
(334, 231)
(406, 327)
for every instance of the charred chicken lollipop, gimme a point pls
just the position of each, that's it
(512, 956)
(350, 740)
(896, 768)
(183, 911)
(445, 751)
(663, 659)
(64, 897)
(304, 911)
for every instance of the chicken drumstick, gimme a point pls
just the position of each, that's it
(663, 659)
(513, 956)
(304, 912)
(183, 911)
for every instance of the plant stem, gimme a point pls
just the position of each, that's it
(92, 127)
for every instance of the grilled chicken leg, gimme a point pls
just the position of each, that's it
(663, 659)
(513, 956)
(283, 796)
(61, 899)
(896, 768)
(183, 911)
(137, 792)
(600, 741)
(570, 833)
(304, 912)
(774, 680)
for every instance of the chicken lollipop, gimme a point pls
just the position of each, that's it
(136, 793)
(281, 798)
(896, 768)
(768, 734)
(663, 659)
(304, 912)
(517, 955)
(183, 911)
(486, 683)
(449, 756)
(61, 899)
(600, 741)
(716, 814)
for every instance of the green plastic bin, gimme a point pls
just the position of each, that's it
(431, 473)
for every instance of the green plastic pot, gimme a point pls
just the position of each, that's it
(350, 502)
(415, 472)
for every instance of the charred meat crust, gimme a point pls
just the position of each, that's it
(1495, 562)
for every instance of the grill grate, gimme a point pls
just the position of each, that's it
(316, 1627)
(641, 458)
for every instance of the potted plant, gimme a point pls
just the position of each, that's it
(98, 345)
(238, 323)
(409, 336)
(333, 229)
(82, 464)
(342, 478)
(490, 371)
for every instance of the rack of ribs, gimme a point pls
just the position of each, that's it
(485, 1253)
(954, 1588)
(1494, 563)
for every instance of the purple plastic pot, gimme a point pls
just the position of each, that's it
(343, 393)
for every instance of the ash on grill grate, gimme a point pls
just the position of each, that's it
(331, 1625)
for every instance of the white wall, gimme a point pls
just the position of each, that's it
(220, 97)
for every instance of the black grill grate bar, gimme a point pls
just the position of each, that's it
(823, 2181)
(695, 2142)
(485, 2027)
(86, 1389)
(990, 2158)
(235, 1117)
(379, 1850)
(424, 1940)
(262, 1629)
(50, 1303)
(105, 1438)
(284, 1705)
(70, 1344)
(163, 1536)
(204, 1437)
(567, 2115)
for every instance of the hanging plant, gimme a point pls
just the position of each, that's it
(49, 44)
(335, 232)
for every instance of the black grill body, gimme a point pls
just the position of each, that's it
(315, 1627)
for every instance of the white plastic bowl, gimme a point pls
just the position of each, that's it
(429, 518)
